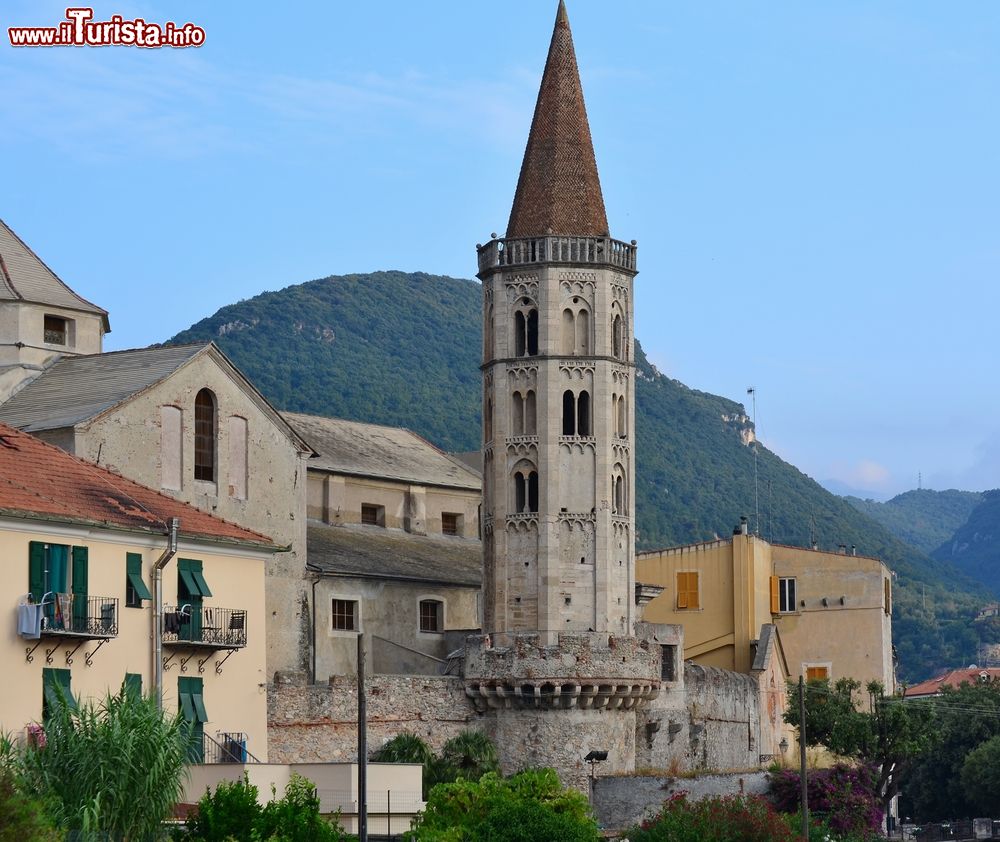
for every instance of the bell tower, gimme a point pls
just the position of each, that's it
(558, 385)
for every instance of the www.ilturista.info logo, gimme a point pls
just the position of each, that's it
(81, 30)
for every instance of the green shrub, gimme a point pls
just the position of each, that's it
(228, 812)
(22, 818)
(296, 817)
(531, 806)
(718, 819)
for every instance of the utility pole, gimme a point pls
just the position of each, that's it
(756, 495)
(362, 745)
(802, 758)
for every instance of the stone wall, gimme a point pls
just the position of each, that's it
(724, 718)
(623, 801)
(311, 723)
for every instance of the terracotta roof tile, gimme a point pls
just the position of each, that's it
(559, 190)
(40, 480)
(954, 679)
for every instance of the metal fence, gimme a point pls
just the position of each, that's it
(220, 628)
(959, 830)
(80, 615)
(390, 812)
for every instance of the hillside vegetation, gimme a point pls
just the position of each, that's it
(975, 546)
(404, 349)
(923, 518)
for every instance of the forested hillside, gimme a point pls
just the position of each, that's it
(975, 546)
(404, 349)
(922, 518)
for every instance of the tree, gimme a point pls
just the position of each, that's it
(981, 776)
(889, 734)
(469, 756)
(409, 748)
(113, 768)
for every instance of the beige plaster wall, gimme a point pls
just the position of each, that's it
(128, 440)
(235, 700)
(853, 639)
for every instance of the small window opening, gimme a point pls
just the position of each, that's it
(345, 614)
(56, 330)
(431, 615)
(205, 435)
(450, 523)
(372, 515)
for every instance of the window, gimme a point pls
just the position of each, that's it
(55, 688)
(135, 588)
(191, 590)
(668, 669)
(56, 330)
(451, 523)
(782, 595)
(431, 615)
(887, 587)
(344, 614)
(372, 515)
(191, 702)
(526, 330)
(817, 673)
(205, 427)
(237, 466)
(59, 579)
(569, 414)
(576, 413)
(583, 414)
(687, 590)
(525, 488)
(171, 447)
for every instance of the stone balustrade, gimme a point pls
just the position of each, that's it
(599, 251)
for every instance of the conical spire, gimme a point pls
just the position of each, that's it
(559, 190)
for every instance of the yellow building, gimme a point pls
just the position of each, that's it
(79, 545)
(832, 611)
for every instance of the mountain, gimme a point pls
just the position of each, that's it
(404, 349)
(975, 546)
(923, 518)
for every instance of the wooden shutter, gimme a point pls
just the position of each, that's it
(775, 599)
(816, 673)
(36, 570)
(682, 595)
(693, 600)
(80, 576)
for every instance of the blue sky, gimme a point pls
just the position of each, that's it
(815, 188)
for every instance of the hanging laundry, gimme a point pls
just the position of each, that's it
(29, 621)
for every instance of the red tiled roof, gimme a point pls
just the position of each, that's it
(559, 190)
(954, 679)
(38, 479)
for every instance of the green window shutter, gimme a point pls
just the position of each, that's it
(199, 707)
(36, 570)
(133, 575)
(199, 579)
(80, 576)
(133, 683)
(56, 683)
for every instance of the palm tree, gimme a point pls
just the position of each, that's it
(470, 755)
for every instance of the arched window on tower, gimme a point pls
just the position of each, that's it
(619, 491)
(583, 333)
(530, 428)
(525, 329)
(488, 420)
(568, 344)
(583, 414)
(569, 414)
(205, 435)
(517, 414)
(525, 488)
(488, 333)
(617, 337)
(622, 419)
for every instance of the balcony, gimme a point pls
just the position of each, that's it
(204, 628)
(599, 251)
(69, 615)
(230, 747)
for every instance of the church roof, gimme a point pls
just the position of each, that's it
(373, 552)
(559, 190)
(76, 389)
(371, 450)
(24, 277)
(40, 481)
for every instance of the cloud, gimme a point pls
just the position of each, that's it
(865, 474)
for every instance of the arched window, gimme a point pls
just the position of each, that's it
(488, 333)
(622, 420)
(488, 421)
(525, 329)
(583, 332)
(569, 414)
(617, 337)
(529, 413)
(532, 341)
(517, 414)
(525, 488)
(568, 332)
(583, 414)
(205, 429)
(619, 493)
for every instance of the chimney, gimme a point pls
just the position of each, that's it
(815, 544)
(744, 526)
(854, 550)
(842, 549)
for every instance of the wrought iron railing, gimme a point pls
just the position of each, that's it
(217, 628)
(230, 747)
(79, 615)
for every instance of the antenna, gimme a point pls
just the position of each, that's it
(920, 481)
(756, 494)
